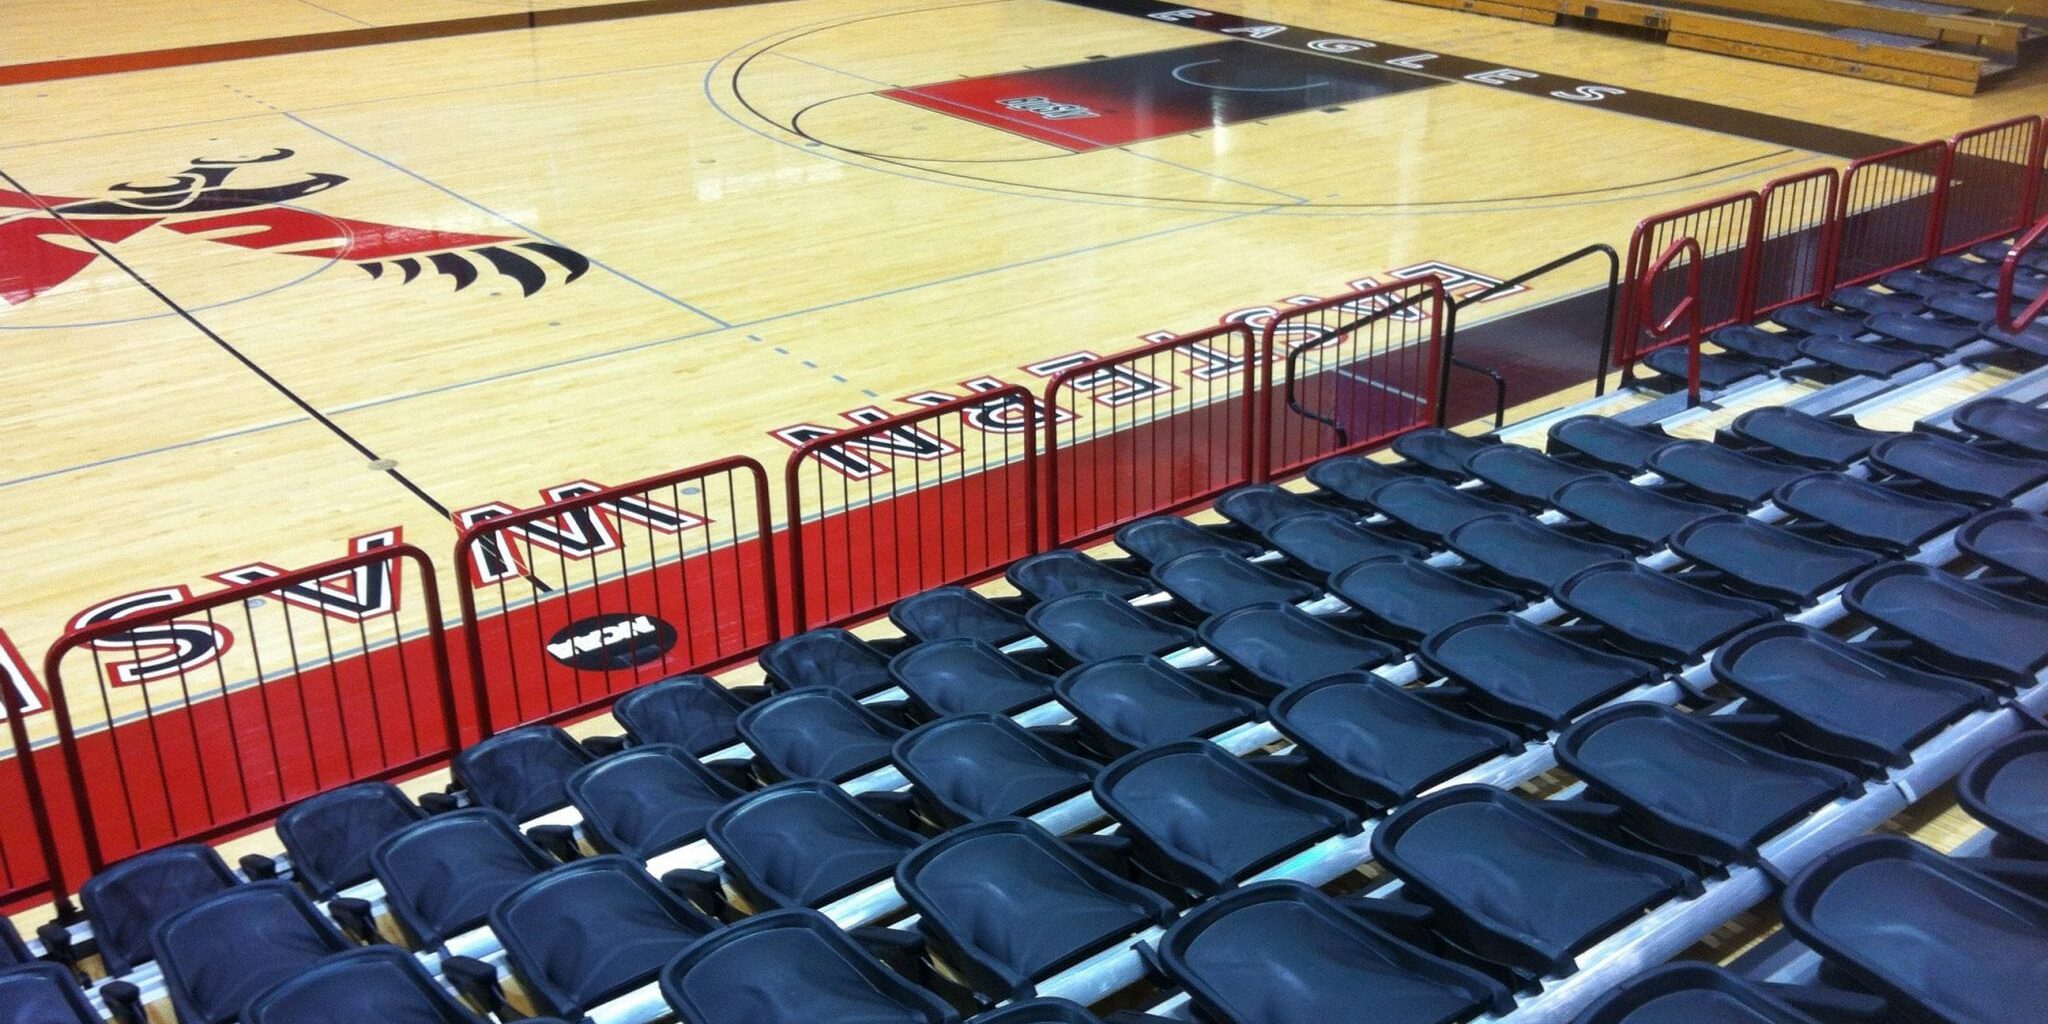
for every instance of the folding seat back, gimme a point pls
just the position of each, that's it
(1324, 542)
(12, 950)
(376, 983)
(1519, 672)
(442, 875)
(1096, 625)
(1126, 703)
(951, 613)
(125, 901)
(1954, 623)
(1440, 452)
(1656, 614)
(42, 993)
(1755, 343)
(2022, 427)
(1654, 762)
(219, 954)
(1527, 476)
(1157, 539)
(1603, 442)
(1938, 941)
(1214, 582)
(791, 967)
(1816, 320)
(1514, 884)
(1922, 332)
(1433, 508)
(1352, 479)
(689, 711)
(1840, 699)
(329, 836)
(1258, 507)
(1006, 904)
(1278, 646)
(1204, 820)
(591, 931)
(1717, 370)
(1375, 742)
(2011, 541)
(804, 844)
(521, 771)
(976, 767)
(1691, 993)
(1054, 574)
(966, 676)
(1957, 470)
(2002, 788)
(647, 800)
(1874, 358)
(1408, 599)
(1636, 516)
(1038, 1011)
(1794, 436)
(1768, 561)
(1528, 553)
(817, 733)
(1284, 953)
(831, 658)
(1721, 474)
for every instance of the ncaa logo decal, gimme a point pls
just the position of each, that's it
(199, 202)
(615, 641)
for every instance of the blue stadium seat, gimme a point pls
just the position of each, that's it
(589, 932)
(2033, 340)
(1214, 582)
(1122, 704)
(792, 967)
(1764, 561)
(1720, 475)
(442, 876)
(1054, 574)
(12, 950)
(378, 984)
(1794, 436)
(1431, 508)
(1840, 699)
(969, 768)
(1528, 554)
(966, 676)
(1923, 332)
(1953, 624)
(1406, 599)
(2023, 428)
(2010, 541)
(817, 733)
(1324, 542)
(520, 771)
(1513, 881)
(1374, 743)
(1657, 615)
(1651, 761)
(1514, 671)
(949, 613)
(1278, 646)
(805, 844)
(1959, 471)
(1623, 513)
(1094, 626)
(1284, 953)
(831, 658)
(329, 836)
(1757, 344)
(1933, 937)
(1157, 539)
(1856, 511)
(1526, 476)
(688, 711)
(125, 901)
(1604, 443)
(1717, 369)
(1258, 507)
(1038, 1011)
(1874, 303)
(2002, 788)
(1814, 320)
(647, 800)
(42, 993)
(1352, 480)
(1692, 993)
(1005, 904)
(1441, 452)
(218, 954)
(1204, 820)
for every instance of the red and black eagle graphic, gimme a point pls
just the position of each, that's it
(198, 201)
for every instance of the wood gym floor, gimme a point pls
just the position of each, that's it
(598, 250)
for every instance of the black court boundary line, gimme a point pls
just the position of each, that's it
(231, 350)
(1677, 110)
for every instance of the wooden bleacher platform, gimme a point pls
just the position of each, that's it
(1956, 47)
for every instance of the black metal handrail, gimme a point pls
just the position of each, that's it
(1500, 385)
(1295, 353)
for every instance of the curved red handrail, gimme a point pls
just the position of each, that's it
(1689, 306)
(2006, 271)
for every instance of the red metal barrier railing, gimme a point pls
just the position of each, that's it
(28, 850)
(1686, 309)
(944, 495)
(569, 604)
(1356, 371)
(1726, 230)
(1992, 174)
(1890, 213)
(208, 715)
(2007, 276)
(1793, 260)
(1155, 429)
